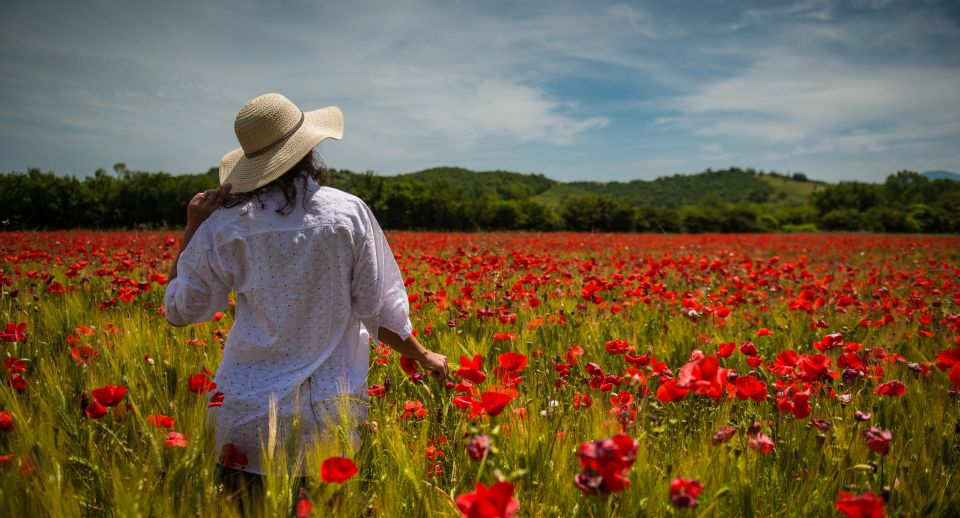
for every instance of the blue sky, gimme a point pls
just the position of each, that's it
(574, 90)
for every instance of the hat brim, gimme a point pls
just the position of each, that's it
(246, 174)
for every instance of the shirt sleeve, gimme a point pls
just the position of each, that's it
(378, 297)
(198, 291)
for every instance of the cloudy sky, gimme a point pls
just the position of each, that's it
(571, 89)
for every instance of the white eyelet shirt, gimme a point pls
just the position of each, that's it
(311, 287)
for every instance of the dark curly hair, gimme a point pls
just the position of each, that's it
(311, 165)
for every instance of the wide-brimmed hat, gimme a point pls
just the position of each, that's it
(274, 135)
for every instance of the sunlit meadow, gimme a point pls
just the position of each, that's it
(592, 375)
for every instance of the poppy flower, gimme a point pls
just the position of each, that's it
(377, 390)
(160, 421)
(878, 440)
(304, 507)
(95, 410)
(18, 382)
(494, 402)
(478, 446)
(109, 395)
(829, 342)
(867, 505)
(6, 421)
(761, 443)
(231, 456)
(724, 350)
(723, 435)
(409, 365)
(176, 440)
(337, 470)
(892, 388)
(201, 383)
(471, 369)
(83, 355)
(683, 492)
(413, 408)
(862, 416)
(496, 501)
(215, 400)
(14, 333)
(670, 391)
(704, 377)
(15, 365)
(512, 362)
(604, 465)
(748, 387)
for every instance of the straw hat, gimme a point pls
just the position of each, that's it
(274, 135)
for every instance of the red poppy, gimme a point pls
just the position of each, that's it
(109, 395)
(618, 347)
(761, 443)
(878, 440)
(304, 507)
(605, 464)
(512, 362)
(18, 382)
(409, 365)
(704, 377)
(892, 388)
(201, 383)
(231, 456)
(748, 387)
(683, 492)
(724, 350)
(377, 390)
(723, 435)
(478, 446)
(14, 333)
(496, 501)
(83, 355)
(160, 421)
(494, 402)
(764, 332)
(471, 369)
(215, 400)
(6, 422)
(413, 408)
(829, 342)
(95, 410)
(176, 440)
(15, 365)
(337, 470)
(670, 391)
(867, 505)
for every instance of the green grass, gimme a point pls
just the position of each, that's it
(121, 467)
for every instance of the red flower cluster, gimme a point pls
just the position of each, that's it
(683, 492)
(605, 464)
(496, 501)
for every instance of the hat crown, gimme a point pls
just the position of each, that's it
(264, 120)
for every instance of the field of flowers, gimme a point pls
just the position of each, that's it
(592, 375)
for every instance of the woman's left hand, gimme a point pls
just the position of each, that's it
(204, 203)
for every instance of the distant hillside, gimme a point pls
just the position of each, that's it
(710, 187)
(707, 188)
(941, 175)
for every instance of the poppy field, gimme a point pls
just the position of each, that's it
(591, 375)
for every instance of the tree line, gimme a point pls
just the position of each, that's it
(457, 199)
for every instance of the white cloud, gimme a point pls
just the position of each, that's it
(825, 104)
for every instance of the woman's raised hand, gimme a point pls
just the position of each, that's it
(204, 203)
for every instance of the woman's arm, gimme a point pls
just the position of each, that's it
(198, 210)
(412, 348)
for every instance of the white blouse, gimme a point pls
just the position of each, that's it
(311, 286)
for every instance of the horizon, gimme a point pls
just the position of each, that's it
(575, 91)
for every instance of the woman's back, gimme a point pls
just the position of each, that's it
(304, 281)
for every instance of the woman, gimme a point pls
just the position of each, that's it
(314, 278)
